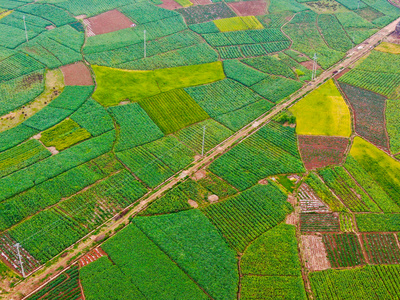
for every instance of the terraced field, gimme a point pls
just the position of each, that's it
(193, 149)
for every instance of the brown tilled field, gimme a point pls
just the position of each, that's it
(321, 151)
(109, 21)
(249, 8)
(77, 74)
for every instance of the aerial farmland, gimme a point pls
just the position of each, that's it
(199, 149)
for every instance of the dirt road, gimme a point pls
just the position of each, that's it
(354, 54)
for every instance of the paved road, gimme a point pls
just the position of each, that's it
(353, 55)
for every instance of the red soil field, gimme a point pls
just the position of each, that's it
(369, 114)
(77, 74)
(170, 4)
(91, 257)
(321, 151)
(309, 64)
(249, 8)
(109, 21)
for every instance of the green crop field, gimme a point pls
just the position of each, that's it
(158, 149)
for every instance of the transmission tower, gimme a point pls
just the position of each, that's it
(204, 137)
(26, 32)
(20, 259)
(144, 43)
(315, 67)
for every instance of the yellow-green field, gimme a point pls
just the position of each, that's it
(238, 23)
(115, 85)
(323, 112)
(382, 167)
(388, 48)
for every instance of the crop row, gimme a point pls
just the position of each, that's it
(244, 217)
(344, 250)
(381, 248)
(319, 223)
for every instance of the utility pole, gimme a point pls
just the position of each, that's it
(26, 32)
(20, 259)
(315, 67)
(204, 137)
(358, 5)
(144, 34)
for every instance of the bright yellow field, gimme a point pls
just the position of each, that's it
(388, 48)
(238, 23)
(323, 112)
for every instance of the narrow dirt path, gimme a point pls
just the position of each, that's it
(28, 285)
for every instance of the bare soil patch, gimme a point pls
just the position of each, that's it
(109, 21)
(193, 203)
(202, 2)
(249, 8)
(170, 4)
(293, 219)
(213, 198)
(309, 64)
(322, 151)
(310, 202)
(199, 175)
(314, 253)
(263, 181)
(77, 74)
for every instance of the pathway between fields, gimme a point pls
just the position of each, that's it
(28, 286)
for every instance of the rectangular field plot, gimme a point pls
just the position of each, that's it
(203, 253)
(137, 257)
(104, 200)
(135, 126)
(72, 97)
(319, 223)
(238, 23)
(64, 135)
(47, 234)
(173, 110)
(47, 117)
(382, 83)
(201, 14)
(381, 248)
(217, 186)
(378, 222)
(344, 250)
(237, 119)
(92, 110)
(22, 156)
(109, 21)
(192, 136)
(369, 282)
(65, 286)
(371, 186)
(272, 287)
(9, 253)
(17, 65)
(243, 218)
(369, 111)
(222, 97)
(19, 91)
(348, 191)
(273, 151)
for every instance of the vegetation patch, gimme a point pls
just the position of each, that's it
(273, 150)
(173, 110)
(203, 253)
(243, 218)
(64, 135)
(378, 222)
(135, 126)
